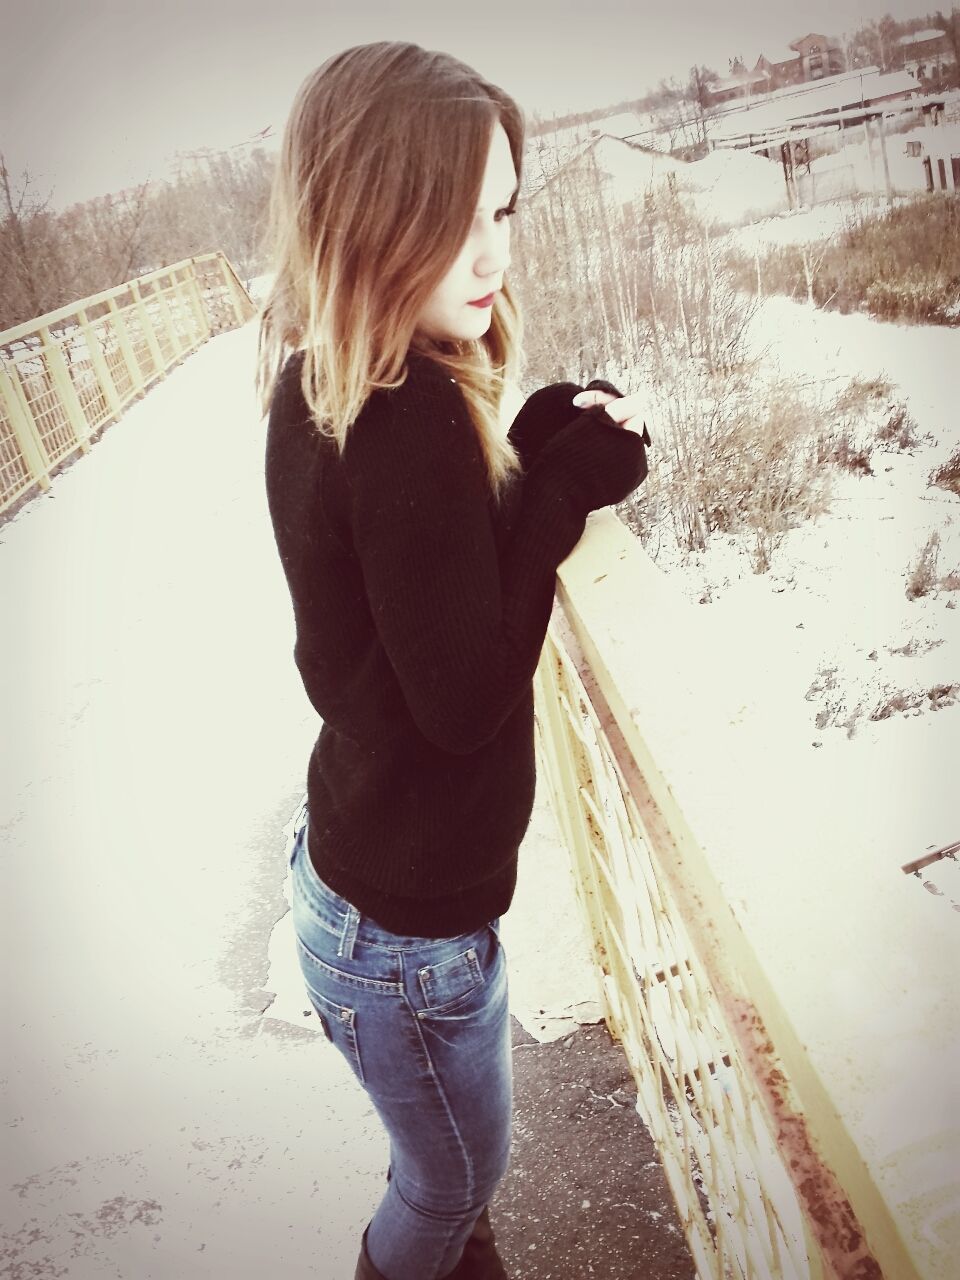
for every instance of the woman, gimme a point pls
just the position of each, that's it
(420, 547)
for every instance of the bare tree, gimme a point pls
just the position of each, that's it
(24, 233)
(107, 239)
(698, 92)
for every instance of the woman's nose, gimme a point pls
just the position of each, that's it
(494, 256)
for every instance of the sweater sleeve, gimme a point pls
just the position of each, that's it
(462, 631)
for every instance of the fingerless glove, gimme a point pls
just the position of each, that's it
(544, 412)
(593, 461)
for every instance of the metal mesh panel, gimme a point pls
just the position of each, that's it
(217, 299)
(50, 415)
(153, 300)
(182, 316)
(734, 1197)
(14, 474)
(83, 375)
(113, 354)
(139, 343)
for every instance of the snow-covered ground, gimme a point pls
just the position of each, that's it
(857, 640)
(168, 1109)
(797, 226)
(157, 735)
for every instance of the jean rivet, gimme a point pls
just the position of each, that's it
(345, 1014)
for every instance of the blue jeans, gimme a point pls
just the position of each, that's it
(424, 1025)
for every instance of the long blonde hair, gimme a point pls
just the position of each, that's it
(380, 172)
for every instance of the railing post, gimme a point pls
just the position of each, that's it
(204, 329)
(137, 379)
(238, 300)
(100, 365)
(63, 382)
(147, 325)
(166, 319)
(24, 428)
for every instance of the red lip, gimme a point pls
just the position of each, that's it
(484, 302)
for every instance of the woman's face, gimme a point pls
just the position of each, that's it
(485, 256)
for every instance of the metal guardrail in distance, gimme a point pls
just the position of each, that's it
(65, 375)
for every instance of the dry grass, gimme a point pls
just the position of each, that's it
(901, 264)
(865, 417)
(898, 429)
(849, 455)
(922, 574)
(904, 701)
(646, 288)
(947, 476)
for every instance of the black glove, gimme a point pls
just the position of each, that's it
(539, 418)
(593, 461)
(544, 412)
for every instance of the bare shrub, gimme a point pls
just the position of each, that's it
(933, 699)
(899, 428)
(850, 424)
(922, 576)
(947, 476)
(860, 392)
(850, 456)
(644, 287)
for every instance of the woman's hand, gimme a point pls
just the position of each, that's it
(629, 411)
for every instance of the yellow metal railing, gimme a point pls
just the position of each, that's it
(676, 838)
(65, 375)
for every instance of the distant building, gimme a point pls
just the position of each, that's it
(811, 57)
(783, 67)
(926, 53)
(938, 151)
(742, 84)
(819, 56)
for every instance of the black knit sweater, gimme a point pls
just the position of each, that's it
(421, 605)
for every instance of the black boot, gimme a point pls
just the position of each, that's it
(365, 1268)
(480, 1260)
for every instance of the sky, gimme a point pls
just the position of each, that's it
(97, 96)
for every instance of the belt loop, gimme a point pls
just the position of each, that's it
(351, 923)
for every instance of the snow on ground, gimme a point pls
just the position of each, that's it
(723, 186)
(731, 185)
(632, 171)
(831, 620)
(796, 102)
(795, 226)
(156, 741)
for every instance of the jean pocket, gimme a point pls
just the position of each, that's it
(339, 1022)
(450, 984)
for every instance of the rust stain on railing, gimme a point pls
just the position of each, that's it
(834, 1222)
